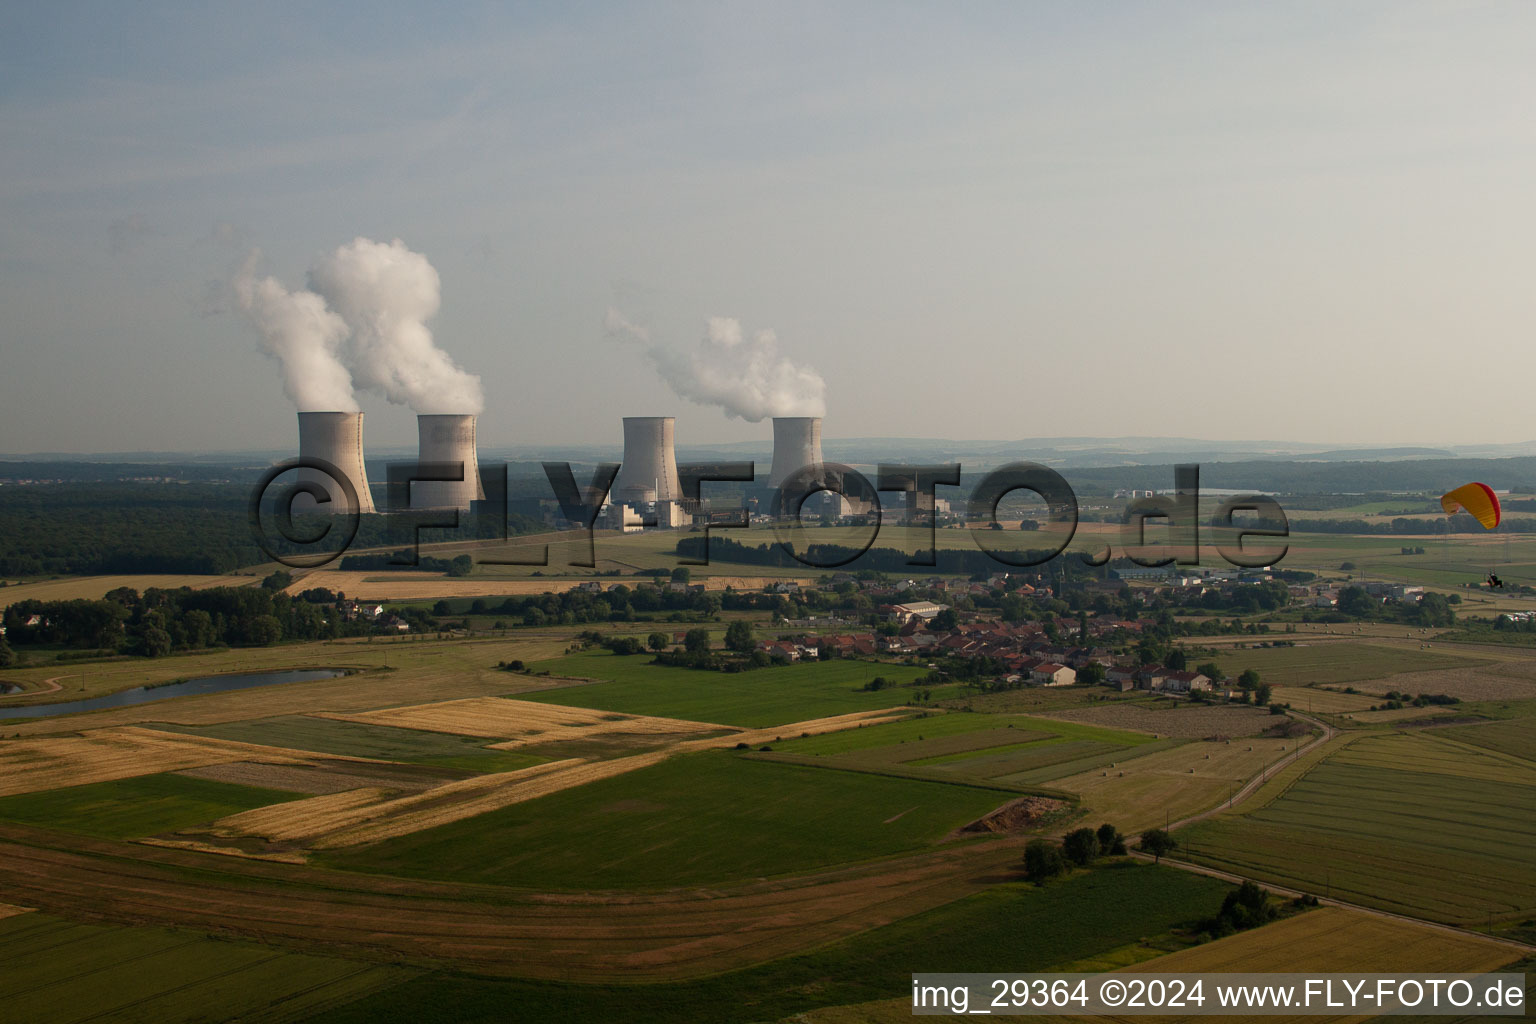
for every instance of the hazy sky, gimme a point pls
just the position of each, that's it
(1303, 221)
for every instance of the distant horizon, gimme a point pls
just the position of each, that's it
(1085, 444)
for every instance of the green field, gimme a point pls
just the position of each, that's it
(60, 971)
(1340, 661)
(145, 805)
(762, 698)
(1011, 750)
(1407, 823)
(355, 739)
(1010, 927)
(1514, 736)
(698, 818)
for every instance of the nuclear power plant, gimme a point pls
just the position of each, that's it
(649, 471)
(450, 439)
(337, 438)
(796, 445)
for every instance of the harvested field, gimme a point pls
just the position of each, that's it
(813, 727)
(576, 937)
(354, 739)
(1339, 939)
(92, 588)
(7, 910)
(32, 764)
(1145, 791)
(359, 692)
(1345, 660)
(1504, 680)
(416, 586)
(369, 815)
(1179, 720)
(373, 814)
(1329, 939)
(521, 722)
(1314, 699)
(385, 671)
(323, 776)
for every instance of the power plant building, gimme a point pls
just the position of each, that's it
(447, 439)
(336, 438)
(649, 472)
(796, 446)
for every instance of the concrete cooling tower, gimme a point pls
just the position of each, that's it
(447, 438)
(649, 471)
(337, 438)
(796, 444)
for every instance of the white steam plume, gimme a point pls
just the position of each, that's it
(747, 378)
(386, 293)
(302, 335)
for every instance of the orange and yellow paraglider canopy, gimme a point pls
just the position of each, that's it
(1478, 499)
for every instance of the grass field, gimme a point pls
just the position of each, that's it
(1408, 823)
(58, 971)
(132, 808)
(1009, 927)
(758, 699)
(355, 739)
(694, 819)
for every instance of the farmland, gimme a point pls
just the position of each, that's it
(1515, 737)
(1413, 824)
(94, 587)
(359, 739)
(1340, 662)
(135, 807)
(662, 825)
(594, 825)
(58, 970)
(1008, 927)
(1007, 750)
(429, 663)
(1318, 941)
(759, 699)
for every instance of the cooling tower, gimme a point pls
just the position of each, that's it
(451, 439)
(337, 438)
(796, 445)
(649, 471)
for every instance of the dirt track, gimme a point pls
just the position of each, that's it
(626, 936)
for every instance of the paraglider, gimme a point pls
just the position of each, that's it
(1483, 505)
(1478, 500)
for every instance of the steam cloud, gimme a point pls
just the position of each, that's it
(748, 378)
(386, 293)
(303, 336)
(363, 321)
